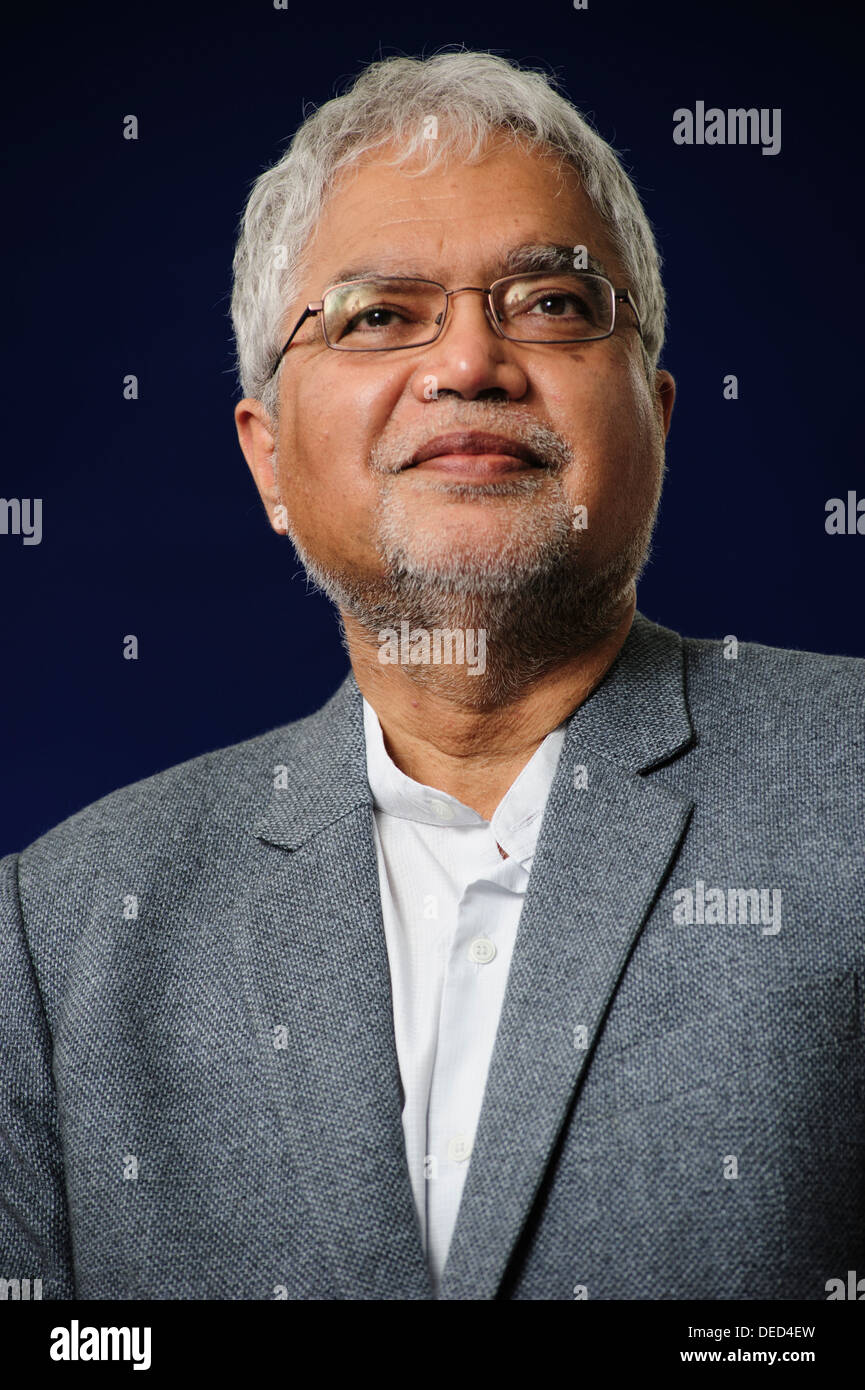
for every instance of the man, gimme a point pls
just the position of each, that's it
(530, 966)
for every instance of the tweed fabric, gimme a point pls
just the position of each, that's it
(200, 1090)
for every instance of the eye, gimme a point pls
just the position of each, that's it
(374, 316)
(558, 304)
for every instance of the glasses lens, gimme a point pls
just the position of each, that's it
(366, 315)
(556, 308)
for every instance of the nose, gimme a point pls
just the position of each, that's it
(469, 358)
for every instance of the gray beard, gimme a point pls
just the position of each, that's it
(538, 600)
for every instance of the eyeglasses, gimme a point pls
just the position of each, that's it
(389, 313)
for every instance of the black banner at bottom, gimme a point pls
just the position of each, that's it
(161, 1339)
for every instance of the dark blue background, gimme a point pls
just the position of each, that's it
(117, 260)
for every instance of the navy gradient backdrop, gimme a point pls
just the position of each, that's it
(117, 260)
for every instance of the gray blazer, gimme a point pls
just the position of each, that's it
(201, 1095)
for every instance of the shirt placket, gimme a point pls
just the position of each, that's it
(475, 976)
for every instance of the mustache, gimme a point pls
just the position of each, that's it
(551, 450)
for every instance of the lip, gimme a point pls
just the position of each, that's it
(474, 452)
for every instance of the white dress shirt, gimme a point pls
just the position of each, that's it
(451, 905)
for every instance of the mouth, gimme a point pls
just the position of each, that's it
(472, 454)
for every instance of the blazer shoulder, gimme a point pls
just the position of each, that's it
(814, 696)
(161, 834)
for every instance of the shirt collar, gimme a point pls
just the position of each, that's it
(516, 820)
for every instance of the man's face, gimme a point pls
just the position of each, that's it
(351, 423)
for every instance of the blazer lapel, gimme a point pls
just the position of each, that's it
(603, 852)
(317, 981)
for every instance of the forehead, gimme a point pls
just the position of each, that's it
(454, 218)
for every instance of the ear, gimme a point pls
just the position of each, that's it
(665, 394)
(257, 440)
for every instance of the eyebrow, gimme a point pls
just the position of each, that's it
(533, 256)
(524, 259)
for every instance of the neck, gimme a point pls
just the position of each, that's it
(440, 733)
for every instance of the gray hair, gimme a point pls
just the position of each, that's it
(474, 96)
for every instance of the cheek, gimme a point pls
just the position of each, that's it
(646, 452)
(337, 413)
(314, 448)
(607, 413)
(335, 417)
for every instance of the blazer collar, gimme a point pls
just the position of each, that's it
(636, 718)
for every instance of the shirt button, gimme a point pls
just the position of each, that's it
(481, 950)
(442, 810)
(459, 1148)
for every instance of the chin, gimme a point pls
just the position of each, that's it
(461, 563)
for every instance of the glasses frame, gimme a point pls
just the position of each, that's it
(621, 296)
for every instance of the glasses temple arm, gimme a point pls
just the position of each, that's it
(625, 297)
(308, 312)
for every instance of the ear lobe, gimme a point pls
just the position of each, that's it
(665, 395)
(258, 445)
